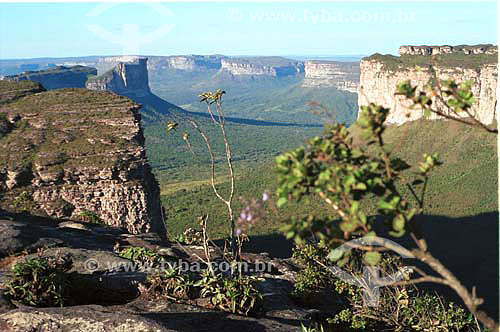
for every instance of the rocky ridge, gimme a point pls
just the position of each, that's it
(258, 67)
(380, 76)
(447, 49)
(341, 75)
(77, 154)
(185, 62)
(57, 77)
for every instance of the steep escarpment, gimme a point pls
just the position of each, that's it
(259, 67)
(57, 77)
(78, 154)
(381, 74)
(126, 78)
(341, 75)
(185, 62)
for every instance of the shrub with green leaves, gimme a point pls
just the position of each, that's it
(141, 255)
(347, 176)
(189, 236)
(90, 217)
(41, 281)
(401, 308)
(236, 295)
(23, 202)
(173, 284)
(312, 277)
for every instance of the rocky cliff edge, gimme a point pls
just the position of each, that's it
(381, 74)
(75, 154)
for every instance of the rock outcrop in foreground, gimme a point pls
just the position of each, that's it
(75, 153)
(341, 75)
(109, 300)
(380, 75)
(57, 77)
(126, 78)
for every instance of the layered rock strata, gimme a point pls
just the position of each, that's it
(380, 76)
(341, 75)
(77, 154)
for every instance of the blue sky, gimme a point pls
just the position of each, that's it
(62, 29)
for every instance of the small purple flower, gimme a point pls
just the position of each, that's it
(265, 196)
(238, 231)
(249, 217)
(243, 215)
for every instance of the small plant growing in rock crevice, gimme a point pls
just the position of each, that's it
(41, 281)
(90, 217)
(237, 295)
(23, 202)
(172, 284)
(141, 255)
(190, 236)
(234, 295)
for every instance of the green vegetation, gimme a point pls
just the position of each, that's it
(249, 144)
(90, 217)
(345, 175)
(467, 186)
(10, 91)
(451, 60)
(41, 281)
(23, 202)
(401, 308)
(58, 134)
(141, 255)
(283, 100)
(172, 284)
(235, 295)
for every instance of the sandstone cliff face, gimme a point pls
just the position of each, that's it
(185, 62)
(79, 154)
(447, 49)
(126, 78)
(255, 67)
(378, 85)
(341, 75)
(57, 77)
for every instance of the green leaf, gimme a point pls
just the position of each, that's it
(398, 224)
(372, 257)
(335, 254)
(282, 201)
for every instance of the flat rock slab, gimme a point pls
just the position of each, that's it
(32, 233)
(76, 319)
(132, 318)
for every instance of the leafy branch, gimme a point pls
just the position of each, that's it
(344, 175)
